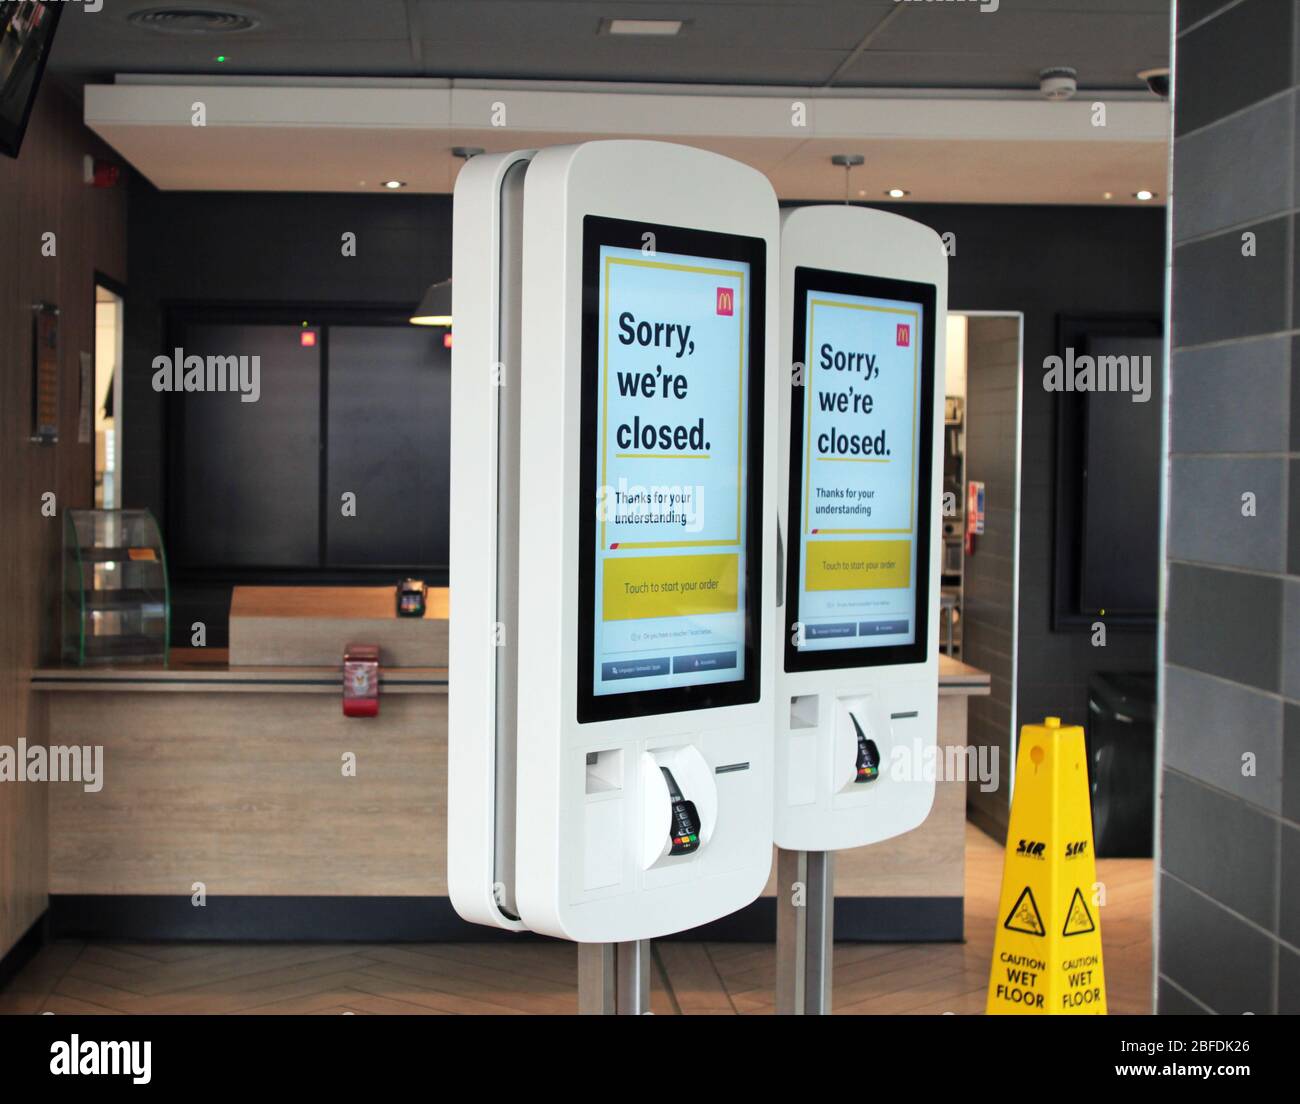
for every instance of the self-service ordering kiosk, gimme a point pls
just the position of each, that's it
(863, 304)
(614, 498)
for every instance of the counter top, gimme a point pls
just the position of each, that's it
(203, 670)
(310, 626)
(366, 603)
(956, 677)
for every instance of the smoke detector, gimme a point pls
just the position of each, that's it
(192, 21)
(1059, 82)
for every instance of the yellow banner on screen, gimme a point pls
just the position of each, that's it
(859, 565)
(671, 586)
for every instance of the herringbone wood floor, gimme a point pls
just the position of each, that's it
(719, 978)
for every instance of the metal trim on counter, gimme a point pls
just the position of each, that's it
(265, 680)
(955, 678)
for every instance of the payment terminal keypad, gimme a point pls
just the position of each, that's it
(868, 764)
(684, 830)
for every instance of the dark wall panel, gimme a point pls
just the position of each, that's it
(244, 477)
(252, 247)
(389, 445)
(220, 248)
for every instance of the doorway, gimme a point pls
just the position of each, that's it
(107, 411)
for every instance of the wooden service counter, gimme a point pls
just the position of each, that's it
(239, 771)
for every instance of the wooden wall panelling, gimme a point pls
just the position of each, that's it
(41, 191)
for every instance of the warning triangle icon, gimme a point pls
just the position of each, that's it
(1024, 917)
(1078, 920)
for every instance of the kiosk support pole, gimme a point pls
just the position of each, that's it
(614, 978)
(805, 932)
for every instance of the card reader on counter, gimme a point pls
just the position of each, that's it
(410, 598)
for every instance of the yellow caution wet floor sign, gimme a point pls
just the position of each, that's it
(1047, 950)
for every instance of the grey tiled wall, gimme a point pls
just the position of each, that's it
(1229, 916)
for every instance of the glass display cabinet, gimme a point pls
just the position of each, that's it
(116, 601)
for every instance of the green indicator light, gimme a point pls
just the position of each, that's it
(221, 57)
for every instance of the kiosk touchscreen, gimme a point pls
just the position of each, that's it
(647, 507)
(670, 530)
(864, 297)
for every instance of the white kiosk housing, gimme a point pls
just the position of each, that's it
(610, 780)
(487, 262)
(863, 308)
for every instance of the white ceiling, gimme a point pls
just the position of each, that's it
(341, 135)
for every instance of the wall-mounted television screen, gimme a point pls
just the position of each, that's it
(26, 34)
(1107, 538)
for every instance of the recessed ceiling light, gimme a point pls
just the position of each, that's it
(1107, 195)
(659, 27)
(393, 185)
(1144, 195)
(897, 193)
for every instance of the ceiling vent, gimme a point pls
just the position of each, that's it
(192, 21)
